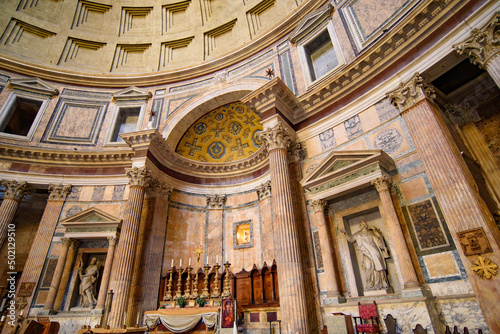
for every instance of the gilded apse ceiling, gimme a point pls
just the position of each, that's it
(225, 134)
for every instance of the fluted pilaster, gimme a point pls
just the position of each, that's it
(331, 284)
(103, 290)
(402, 255)
(215, 204)
(56, 278)
(455, 189)
(125, 254)
(14, 193)
(290, 276)
(483, 48)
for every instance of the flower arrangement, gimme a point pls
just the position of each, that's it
(200, 301)
(182, 302)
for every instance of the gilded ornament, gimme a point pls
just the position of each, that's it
(484, 268)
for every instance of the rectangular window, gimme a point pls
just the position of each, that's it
(20, 116)
(321, 56)
(126, 121)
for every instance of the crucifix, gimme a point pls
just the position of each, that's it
(198, 253)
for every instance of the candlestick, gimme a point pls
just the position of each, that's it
(226, 293)
(216, 292)
(187, 293)
(179, 285)
(168, 294)
(205, 293)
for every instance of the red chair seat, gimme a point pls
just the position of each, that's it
(368, 328)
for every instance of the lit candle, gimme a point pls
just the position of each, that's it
(180, 264)
(124, 318)
(172, 264)
(189, 262)
(217, 259)
(3, 318)
(21, 313)
(138, 315)
(3, 304)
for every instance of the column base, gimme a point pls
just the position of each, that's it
(412, 292)
(97, 311)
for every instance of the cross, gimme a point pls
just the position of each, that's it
(198, 253)
(239, 147)
(217, 131)
(249, 120)
(21, 303)
(193, 147)
(270, 73)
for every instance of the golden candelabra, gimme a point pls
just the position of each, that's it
(195, 293)
(187, 293)
(168, 294)
(205, 293)
(179, 285)
(226, 293)
(216, 292)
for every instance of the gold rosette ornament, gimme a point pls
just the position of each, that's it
(484, 267)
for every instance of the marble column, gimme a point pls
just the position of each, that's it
(43, 238)
(452, 182)
(103, 290)
(401, 253)
(290, 276)
(125, 253)
(483, 48)
(73, 248)
(331, 285)
(56, 278)
(14, 193)
(464, 118)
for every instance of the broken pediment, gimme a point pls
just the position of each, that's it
(91, 221)
(131, 94)
(33, 85)
(343, 171)
(310, 22)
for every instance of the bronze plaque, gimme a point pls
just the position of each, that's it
(474, 242)
(26, 289)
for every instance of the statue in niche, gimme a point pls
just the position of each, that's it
(88, 283)
(370, 242)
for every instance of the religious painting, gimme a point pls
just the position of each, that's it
(474, 242)
(243, 234)
(227, 313)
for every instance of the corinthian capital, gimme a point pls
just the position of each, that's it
(462, 114)
(264, 190)
(276, 137)
(483, 44)
(59, 192)
(319, 205)
(216, 201)
(158, 189)
(382, 183)
(138, 176)
(16, 190)
(410, 93)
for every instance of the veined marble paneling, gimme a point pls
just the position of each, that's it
(463, 312)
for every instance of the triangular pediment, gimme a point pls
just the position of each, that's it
(131, 94)
(90, 217)
(34, 85)
(341, 167)
(310, 22)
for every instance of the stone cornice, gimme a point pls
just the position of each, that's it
(410, 93)
(46, 156)
(226, 60)
(274, 94)
(483, 44)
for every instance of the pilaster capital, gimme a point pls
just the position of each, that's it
(462, 114)
(66, 242)
(16, 190)
(264, 190)
(296, 152)
(157, 188)
(277, 137)
(74, 244)
(216, 201)
(382, 183)
(410, 93)
(138, 176)
(483, 44)
(59, 192)
(319, 205)
(113, 240)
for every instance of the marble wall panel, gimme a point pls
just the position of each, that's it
(188, 199)
(72, 209)
(372, 14)
(327, 140)
(49, 273)
(317, 250)
(114, 209)
(385, 110)
(118, 192)
(369, 118)
(427, 225)
(267, 227)
(462, 312)
(98, 193)
(413, 188)
(353, 127)
(241, 199)
(441, 265)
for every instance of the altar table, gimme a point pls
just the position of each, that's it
(180, 320)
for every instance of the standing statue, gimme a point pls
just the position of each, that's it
(88, 283)
(370, 243)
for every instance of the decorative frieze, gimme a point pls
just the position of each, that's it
(59, 192)
(483, 44)
(138, 176)
(275, 138)
(264, 191)
(410, 93)
(16, 190)
(216, 201)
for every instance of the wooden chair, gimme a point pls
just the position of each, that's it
(419, 330)
(390, 323)
(368, 319)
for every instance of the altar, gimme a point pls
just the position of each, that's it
(181, 320)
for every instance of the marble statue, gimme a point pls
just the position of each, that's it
(88, 284)
(370, 243)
